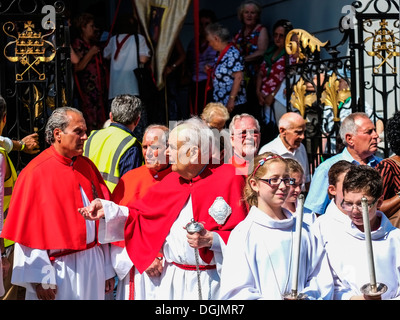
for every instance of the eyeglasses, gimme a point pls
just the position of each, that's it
(275, 182)
(348, 206)
(244, 133)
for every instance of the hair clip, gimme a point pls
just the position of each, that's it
(263, 160)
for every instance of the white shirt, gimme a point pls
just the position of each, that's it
(300, 154)
(347, 253)
(258, 260)
(122, 78)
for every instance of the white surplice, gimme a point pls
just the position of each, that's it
(78, 276)
(174, 283)
(347, 254)
(258, 260)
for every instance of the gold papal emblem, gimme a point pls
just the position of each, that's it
(31, 48)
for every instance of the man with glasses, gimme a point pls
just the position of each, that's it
(359, 136)
(245, 138)
(344, 240)
(288, 144)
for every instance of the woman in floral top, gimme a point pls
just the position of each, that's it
(227, 72)
(252, 42)
(272, 70)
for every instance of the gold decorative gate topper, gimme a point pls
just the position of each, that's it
(383, 45)
(30, 48)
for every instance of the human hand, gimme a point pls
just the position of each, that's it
(31, 143)
(230, 105)
(46, 294)
(201, 239)
(110, 283)
(155, 269)
(94, 211)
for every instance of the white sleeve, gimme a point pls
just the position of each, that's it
(111, 228)
(109, 49)
(32, 266)
(143, 48)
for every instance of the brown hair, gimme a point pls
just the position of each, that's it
(250, 196)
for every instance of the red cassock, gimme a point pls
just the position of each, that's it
(150, 218)
(133, 185)
(43, 212)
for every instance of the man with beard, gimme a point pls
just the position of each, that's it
(245, 138)
(359, 136)
(288, 144)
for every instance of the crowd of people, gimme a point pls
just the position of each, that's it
(206, 208)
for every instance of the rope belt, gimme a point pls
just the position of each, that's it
(62, 253)
(193, 268)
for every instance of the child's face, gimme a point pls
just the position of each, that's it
(351, 204)
(295, 190)
(272, 196)
(337, 190)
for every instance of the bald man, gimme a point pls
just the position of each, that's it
(288, 144)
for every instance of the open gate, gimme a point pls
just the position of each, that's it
(360, 73)
(35, 67)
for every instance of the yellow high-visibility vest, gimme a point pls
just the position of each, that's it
(8, 188)
(105, 148)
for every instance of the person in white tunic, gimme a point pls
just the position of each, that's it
(258, 257)
(57, 256)
(196, 189)
(350, 265)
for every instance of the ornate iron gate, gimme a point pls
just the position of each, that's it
(35, 67)
(323, 82)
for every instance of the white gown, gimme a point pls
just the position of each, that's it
(257, 260)
(347, 253)
(78, 276)
(174, 283)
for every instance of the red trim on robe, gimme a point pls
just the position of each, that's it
(150, 218)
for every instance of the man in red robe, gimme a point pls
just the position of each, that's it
(56, 249)
(209, 194)
(245, 139)
(132, 186)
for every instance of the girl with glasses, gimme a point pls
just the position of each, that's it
(258, 257)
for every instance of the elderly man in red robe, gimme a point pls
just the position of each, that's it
(57, 255)
(134, 185)
(196, 189)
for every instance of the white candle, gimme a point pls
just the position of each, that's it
(368, 243)
(297, 245)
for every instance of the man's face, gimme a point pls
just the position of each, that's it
(178, 152)
(365, 142)
(246, 138)
(154, 150)
(70, 141)
(293, 137)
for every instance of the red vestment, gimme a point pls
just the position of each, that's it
(150, 218)
(133, 185)
(43, 212)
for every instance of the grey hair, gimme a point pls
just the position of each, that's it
(239, 117)
(197, 133)
(213, 109)
(126, 109)
(348, 125)
(58, 120)
(164, 137)
(219, 31)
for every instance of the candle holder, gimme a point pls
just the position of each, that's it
(294, 296)
(371, 293)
